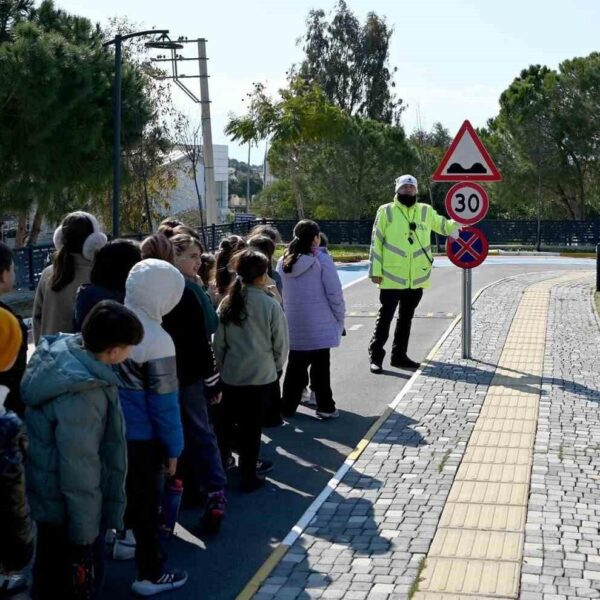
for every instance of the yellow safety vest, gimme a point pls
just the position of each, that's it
(400, 264)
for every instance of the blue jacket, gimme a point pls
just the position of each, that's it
(149, 385)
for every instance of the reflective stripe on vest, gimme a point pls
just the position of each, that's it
(422, 279)
(394, 249)
(421, 251)
(388, 213)
(394, 277)
(379, 236)
(424, 213)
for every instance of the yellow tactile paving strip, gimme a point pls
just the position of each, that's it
(478, 546)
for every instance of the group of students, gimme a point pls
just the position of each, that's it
(154, 363)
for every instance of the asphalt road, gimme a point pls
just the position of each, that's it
(306, 451)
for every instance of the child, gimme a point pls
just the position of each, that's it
(77, 240)
(206, 272)
(251, 345)
(77, 454)
(224, 276)
(110, 269)
(149, 400)
(199, 386)
(271, 232)
(11, 378)
(16, 540)
(264, 244)
(314, 305)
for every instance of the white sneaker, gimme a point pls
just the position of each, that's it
(124, 549)
(328, 415)
(308, 398)
(12, 584)
(169, 580)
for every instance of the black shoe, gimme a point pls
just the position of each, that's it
(252, 485)
(263, 466)
(375, 368)
(404, 363)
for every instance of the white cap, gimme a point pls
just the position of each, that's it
(404, 180)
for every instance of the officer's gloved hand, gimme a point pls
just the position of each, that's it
(454, 234)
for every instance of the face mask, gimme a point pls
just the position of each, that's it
(406, 199)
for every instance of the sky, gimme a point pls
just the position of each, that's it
(454, 57)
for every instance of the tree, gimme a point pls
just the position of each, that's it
(300, 119)
(11, 13)
(350, 62)
(56, 146)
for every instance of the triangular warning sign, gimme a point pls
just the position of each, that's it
(466, 159)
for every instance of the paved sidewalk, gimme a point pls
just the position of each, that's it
(483, 481)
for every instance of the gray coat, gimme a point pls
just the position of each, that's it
(77, 458)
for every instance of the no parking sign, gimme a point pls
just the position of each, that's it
(469, 249)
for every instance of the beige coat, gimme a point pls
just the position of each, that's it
(53, 311)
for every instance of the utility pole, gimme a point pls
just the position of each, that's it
(209, 164)
(248, 182)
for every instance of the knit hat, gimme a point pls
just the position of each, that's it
(405, 180)
(11, 339)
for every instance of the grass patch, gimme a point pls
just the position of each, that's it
(414, 586)
(339, 253)
(444, 461)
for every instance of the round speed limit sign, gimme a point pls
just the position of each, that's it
(467, 203)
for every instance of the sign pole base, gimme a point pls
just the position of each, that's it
(466, 313)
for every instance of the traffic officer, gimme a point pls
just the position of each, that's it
(400, 263)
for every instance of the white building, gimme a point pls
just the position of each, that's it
(183, 197)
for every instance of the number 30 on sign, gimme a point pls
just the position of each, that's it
(467, 203)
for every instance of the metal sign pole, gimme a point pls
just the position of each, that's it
(466, 313)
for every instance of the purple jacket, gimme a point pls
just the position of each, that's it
(313, 302)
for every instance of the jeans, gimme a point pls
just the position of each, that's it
(407, 302)
(200, 464)
(296, 379)
(240, 423)
(145, 465)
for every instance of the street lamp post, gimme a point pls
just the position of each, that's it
(117, 108)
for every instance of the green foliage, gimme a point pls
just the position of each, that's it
(350, 63)
(276, 201)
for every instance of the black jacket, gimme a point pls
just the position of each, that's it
(16, 538)
(12, 378)
(193, 350)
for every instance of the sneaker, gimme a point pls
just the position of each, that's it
(404, 363)
(124, 548)
(375, 368)
(214, 511)
(308, 398)
(169, 580)
(263, 466)
(328, 415)
(11, 585)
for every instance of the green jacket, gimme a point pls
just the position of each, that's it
(400, 264)
(254, 352)
(77, 458)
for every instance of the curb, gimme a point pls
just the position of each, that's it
(279, 552)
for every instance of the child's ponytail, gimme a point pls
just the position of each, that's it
(305, 232)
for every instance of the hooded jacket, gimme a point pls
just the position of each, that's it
(400, 263)
(77, 458)
(16, 539)
(313, 301)
(149, 386)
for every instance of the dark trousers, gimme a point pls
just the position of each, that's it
(54, 573)
(239, 423)
(200, 465)
(144, 473)
(407, 302)
(296, 379)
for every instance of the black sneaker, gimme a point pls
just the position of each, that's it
(263, 466)
(404, 363)
(169, 580)
(375, 368)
